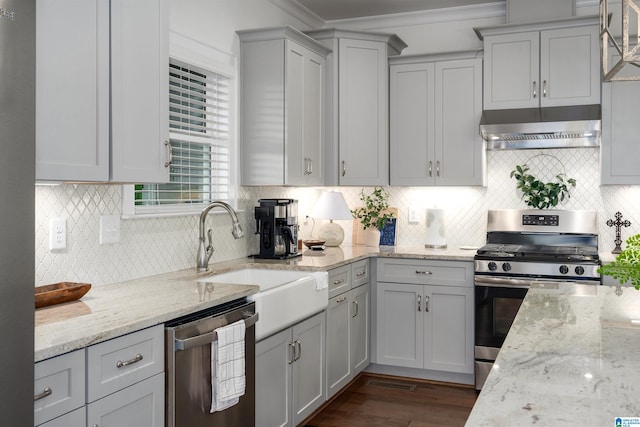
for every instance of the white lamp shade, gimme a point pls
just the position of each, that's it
(331, 205)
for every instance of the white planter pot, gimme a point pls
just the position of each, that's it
(371, 237)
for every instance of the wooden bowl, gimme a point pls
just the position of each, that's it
(309, 243)
(58, 293)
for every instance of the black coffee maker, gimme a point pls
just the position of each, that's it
(277, 225)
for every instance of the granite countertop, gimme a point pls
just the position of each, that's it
(571, 358)
(109, 311)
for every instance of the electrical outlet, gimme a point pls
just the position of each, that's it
(57, 234)
(109, 229)
(413, 216)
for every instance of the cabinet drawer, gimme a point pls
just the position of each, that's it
(339, 280)
(452, 273)
(59, 384)
(359, 273)
(77, 418)
(115, 364)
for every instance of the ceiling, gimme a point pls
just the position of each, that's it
(330, 10)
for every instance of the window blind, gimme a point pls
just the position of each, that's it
(200, 141)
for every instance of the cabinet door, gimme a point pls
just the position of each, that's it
(273, 380)
(360, 327)
(304, 116)
(400, 341)
(411, 111)
(339, 340)
(511, 69)
(448, 328)
(139, 90)
(363, 110)
(139, 405)
(72, 90)
(570, 66)
(308, 368)
(459, 151)
(620, 149)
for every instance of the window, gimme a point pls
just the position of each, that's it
(199, 132)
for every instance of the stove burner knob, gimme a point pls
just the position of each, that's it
(579, 270)
(506, 266)
(564, 269)
(492, 266)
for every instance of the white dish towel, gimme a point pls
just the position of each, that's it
(227, 366)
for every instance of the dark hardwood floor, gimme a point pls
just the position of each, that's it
(372, 401)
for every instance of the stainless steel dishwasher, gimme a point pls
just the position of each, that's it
(188, 367)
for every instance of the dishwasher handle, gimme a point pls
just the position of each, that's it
(209, 337)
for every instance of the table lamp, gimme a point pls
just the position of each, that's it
(331, 205)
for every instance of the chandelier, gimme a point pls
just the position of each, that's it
(620, 45)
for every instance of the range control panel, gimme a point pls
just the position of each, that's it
(542, 220)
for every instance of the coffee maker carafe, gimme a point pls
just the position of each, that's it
(277, 225)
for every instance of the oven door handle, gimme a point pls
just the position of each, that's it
(501, 282)
(208, 338)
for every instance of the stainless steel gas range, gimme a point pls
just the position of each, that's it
(526, 246)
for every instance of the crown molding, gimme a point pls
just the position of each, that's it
(300, 12)
(433, 16)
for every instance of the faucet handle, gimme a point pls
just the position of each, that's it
(209, 248)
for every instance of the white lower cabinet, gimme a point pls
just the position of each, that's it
(120, 380)
(139, 405)
(290, 373)
(348, 331)
(425, 326)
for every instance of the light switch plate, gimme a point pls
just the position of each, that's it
(413, 216)
(109, 229)
(57, 234)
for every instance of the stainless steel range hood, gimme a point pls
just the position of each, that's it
(551, 127)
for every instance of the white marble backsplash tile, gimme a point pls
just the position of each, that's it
(158, 245)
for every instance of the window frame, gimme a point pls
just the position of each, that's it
(192, 52)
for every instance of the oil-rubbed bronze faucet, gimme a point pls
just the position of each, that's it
(204, 253)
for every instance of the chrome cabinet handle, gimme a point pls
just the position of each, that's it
(339, 281)
(426, 303)
(544, 88)
(360, 274)
(423, 272)
(430, 168)
(342, 299)
(167, 144)
(438, 168)
(355, 304)
(344, 168)
(298, 351)
(292, 347)
(121, 364)
(535, 92)
(419, 308)
(310, 166)
(45, 392)
(307, 166)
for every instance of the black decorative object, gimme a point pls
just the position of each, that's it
(618, 223)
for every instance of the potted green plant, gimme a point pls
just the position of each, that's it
(374, 214)
(538, 194)
(626, 267)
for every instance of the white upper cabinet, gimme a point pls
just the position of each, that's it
(542, 65)
(282, 107)
(619, 151)
(102, 90)
(139, 91)
(435, 108)
(357, 99)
